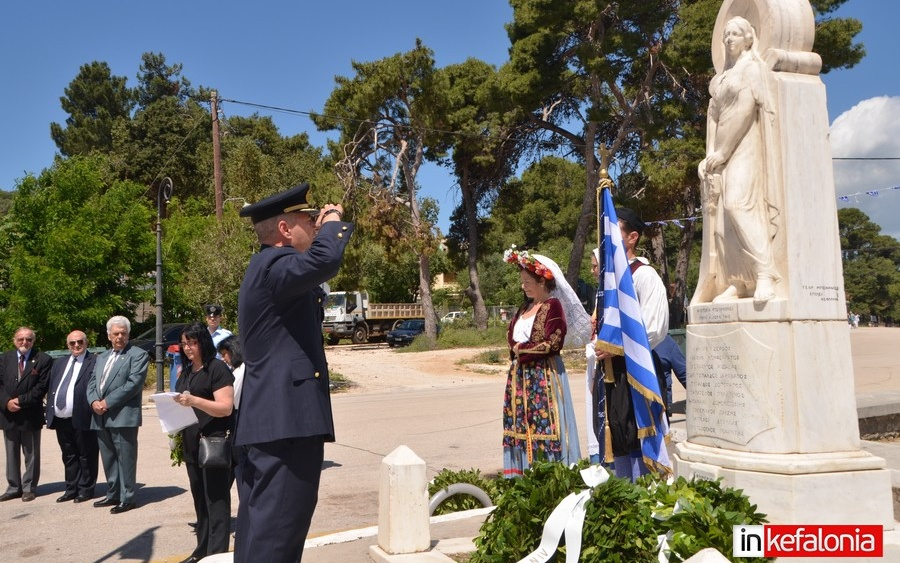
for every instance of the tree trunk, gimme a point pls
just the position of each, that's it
(427, 302)
(422, 233)
(658, 255)
(473, 292)
(588, 211)
(677, 312)
(677, 303)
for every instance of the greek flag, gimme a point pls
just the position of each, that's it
(623, 333)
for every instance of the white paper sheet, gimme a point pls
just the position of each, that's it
(172, 416)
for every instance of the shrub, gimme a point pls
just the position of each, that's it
(462, 336)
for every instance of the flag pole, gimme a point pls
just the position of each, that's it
(604, 183)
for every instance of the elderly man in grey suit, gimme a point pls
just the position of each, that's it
(114, 393)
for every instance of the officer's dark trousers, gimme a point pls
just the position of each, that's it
(278, 487)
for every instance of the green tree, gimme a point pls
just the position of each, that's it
(97, 102)
(486, 148)
(632, 75)
(80, 251)
(585, 72)
(389, 116)
(871, 265)
(158, 81)
(204, 260)
(539, 212)
(835, 36)
(259, 162)
(540, 208)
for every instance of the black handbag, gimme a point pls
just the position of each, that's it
(215, 452)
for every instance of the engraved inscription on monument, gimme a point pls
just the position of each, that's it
(714, 313)
(726, 401)
(822, 292)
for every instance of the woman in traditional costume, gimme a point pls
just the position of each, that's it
(538, 416)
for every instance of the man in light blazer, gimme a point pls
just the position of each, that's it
(69, 413)
(114, 393)
(25, 375)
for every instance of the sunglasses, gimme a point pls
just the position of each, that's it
(74, 342)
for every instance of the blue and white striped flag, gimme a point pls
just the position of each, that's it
(623, 333)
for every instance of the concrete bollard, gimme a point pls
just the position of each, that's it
(403, 523)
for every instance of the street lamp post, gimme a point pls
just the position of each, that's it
(163, 195)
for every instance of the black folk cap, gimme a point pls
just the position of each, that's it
(212, 309)
(287, 201)
(631, 219)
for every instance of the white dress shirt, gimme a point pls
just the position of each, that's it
(69, 391)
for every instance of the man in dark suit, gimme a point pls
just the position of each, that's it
(285, 416)
(69, 413)
(26, 373)
(114, 393)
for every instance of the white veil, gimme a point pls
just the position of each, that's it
(578, 322)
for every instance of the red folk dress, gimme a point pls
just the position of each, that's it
(538, 416)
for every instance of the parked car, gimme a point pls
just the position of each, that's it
(404, 334)
(146, 341)
(453, 316)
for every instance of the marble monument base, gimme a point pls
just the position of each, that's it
(828, 488)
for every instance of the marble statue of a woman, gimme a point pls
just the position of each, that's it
(741, 212)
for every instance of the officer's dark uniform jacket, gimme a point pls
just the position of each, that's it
(280, 311)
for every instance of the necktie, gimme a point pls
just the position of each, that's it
(64, 386)
(21, 365)
(107, 369)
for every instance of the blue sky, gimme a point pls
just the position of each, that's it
(286, 54)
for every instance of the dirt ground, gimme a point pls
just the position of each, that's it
(374, 368)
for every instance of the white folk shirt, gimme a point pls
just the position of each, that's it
(651, 294)
(522, 329)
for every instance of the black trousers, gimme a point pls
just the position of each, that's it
(278, 486)
(80, 456)
(211, 491)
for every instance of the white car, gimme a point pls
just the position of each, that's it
(453, 316)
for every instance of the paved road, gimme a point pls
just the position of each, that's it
(455, 426)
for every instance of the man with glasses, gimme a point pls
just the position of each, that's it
(26, 374)
(285, 416)
(69, 413)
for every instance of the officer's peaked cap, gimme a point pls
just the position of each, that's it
(287, 201)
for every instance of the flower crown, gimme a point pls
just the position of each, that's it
(524, 260)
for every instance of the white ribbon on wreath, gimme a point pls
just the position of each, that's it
(567, 519)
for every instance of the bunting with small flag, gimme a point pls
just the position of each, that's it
(623, 333)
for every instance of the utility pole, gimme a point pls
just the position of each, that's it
(217, 154)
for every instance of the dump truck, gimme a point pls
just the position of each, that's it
(348, 314)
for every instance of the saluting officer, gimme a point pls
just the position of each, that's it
(285, 416)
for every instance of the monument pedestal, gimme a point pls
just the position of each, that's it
(836, 488)
(771, 409)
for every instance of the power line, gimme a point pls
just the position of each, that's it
(310, 114)
(865, 158)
